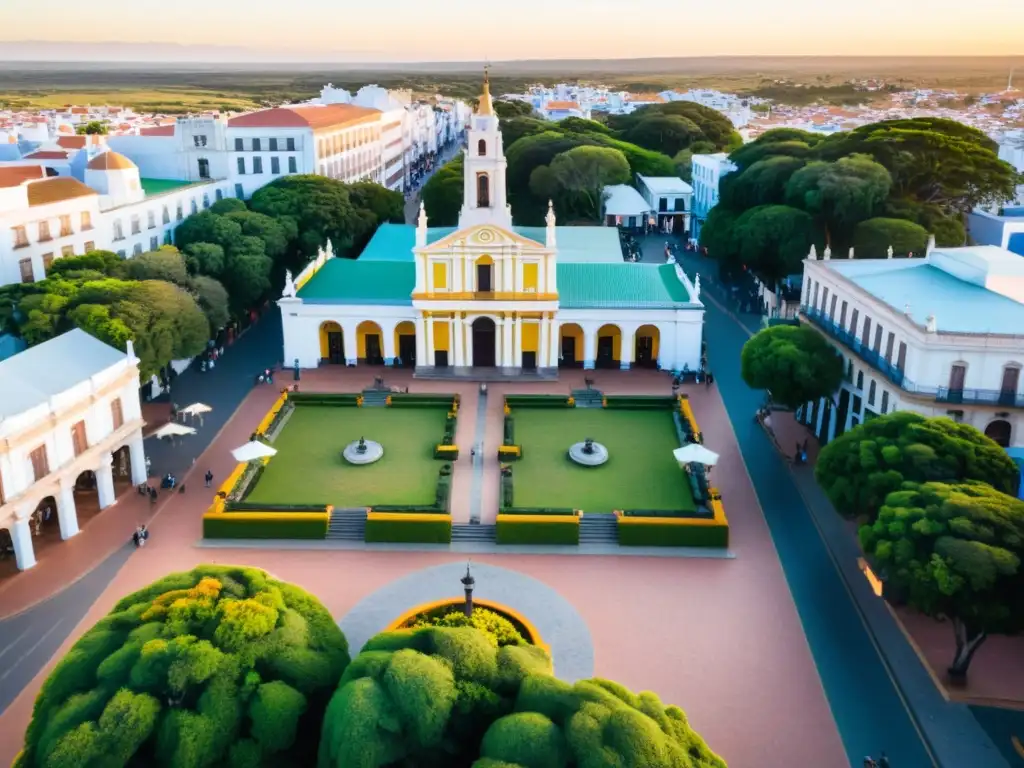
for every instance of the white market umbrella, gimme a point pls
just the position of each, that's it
(196, 409)
(253, 450)
(695, 453)
(173, 429)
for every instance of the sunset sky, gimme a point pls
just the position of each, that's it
(454, 30)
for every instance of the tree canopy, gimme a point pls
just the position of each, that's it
(507, 109)
(220, 665)
(859, 469)
(795, 363)
(925, 172)
(954, 552)
(442, 194)
(576, 179)
(92, 128)
(437, 697)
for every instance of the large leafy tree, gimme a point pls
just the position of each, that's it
(861, 467)
(954, 552)
(439, 697)
(442, 194)
(873, 238)
(839, 195)
(515, 128)
(773, 240)
(220, 666)
(581, 174)
(763, 183)
(795, 363)
(507, 109)
(667, 134)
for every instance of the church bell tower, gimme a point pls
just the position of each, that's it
(484, 200)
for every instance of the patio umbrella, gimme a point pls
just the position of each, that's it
(253, 450)
(694, 453)
(196, 409)
(172, 429)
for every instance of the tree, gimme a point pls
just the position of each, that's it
(748, 154)
(221, 665)
(642, 161)
(718, 235)
(683, 161)
(872, 238)
(514, 129)
(583, 173)
(667, 134)
(955, 552)
(205, 259)
(274, 235)
(448, 697)
(92, 128)
(508, 109)
(228, 205)
(246, 274)
(795, 363)
(213, 300)
(442, 194)
(579, 125)
(861, 467)
(763, 183)
(207, 227)
(839, 195)
(773, 240)
(166, 264)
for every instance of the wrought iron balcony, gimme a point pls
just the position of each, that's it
(1003, 398)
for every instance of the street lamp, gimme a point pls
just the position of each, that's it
(467, 584)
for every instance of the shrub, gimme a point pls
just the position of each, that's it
(192, 670)
(510, 431)
(404, 530)
(228, 526)
(559, 530)
(449, 697)
(498, 630)
(668, 535)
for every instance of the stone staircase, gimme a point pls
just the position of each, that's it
(375, 398)
(347, 525)
(477, 534)
(598, 528)
(587, 398)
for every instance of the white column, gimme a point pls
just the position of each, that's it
(550, 283)
(517, 343)
(430, 342)
(507, 280)
(589, 347)
(457, 331)
(105, 482)
(21, 538)
(430, 277)
(506, 343)
(351, 346)
(627, 350)
(458, 270)
(554, 347)
(421, 273)
(388, 342)
(67, 514)
(467, 271)
(544, 339)
(421, 342)
(468, 352)
(138, 459)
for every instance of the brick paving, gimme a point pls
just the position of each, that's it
(719, 637)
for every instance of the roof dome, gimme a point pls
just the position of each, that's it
(111, 161)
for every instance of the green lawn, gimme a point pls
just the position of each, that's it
(640, 474)
(309, 469)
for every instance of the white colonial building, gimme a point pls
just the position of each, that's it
(707, 173)
(671, 198)
(489, 294)
(941, 335)
(70, 428)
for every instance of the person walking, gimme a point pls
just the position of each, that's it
(209, 477)
(137, 538)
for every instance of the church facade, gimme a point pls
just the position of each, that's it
(489, 294)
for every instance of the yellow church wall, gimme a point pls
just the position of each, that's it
(367, 328)
(530, 271)
(441, 335)
(440, 276)
(613, 331)
(652, 331)
(531, 337)
(326, 328)
(575, 332)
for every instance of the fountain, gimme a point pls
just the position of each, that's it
(588, 453)
(362, 451)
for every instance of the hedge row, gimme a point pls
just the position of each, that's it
(510, 452)
(410, 531)
(346, 399)
(564, 532)
(555, 511)
(244, 506)
(640, 403)
(677, 513)
(510, 431)
(536, 401)
(505, 495)
(446, 452)
(667, 535)
(421, 401)
(224, 527)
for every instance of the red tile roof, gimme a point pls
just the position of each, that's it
(315, 117)
(157, 130)
(15, 175)
(47, 154)
(562, 105)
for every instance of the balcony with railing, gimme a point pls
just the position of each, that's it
(993, 397)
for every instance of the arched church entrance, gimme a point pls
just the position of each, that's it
(122, 468)
(646, 352)
(332, 343)
(1000, 432)
(405, 343)
(484, 342)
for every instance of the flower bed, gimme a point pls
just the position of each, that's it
(430, 613)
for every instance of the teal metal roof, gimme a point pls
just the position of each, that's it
(348, 281)
(394, 242)
(620, 286)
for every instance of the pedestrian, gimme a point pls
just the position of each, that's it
(209, 477)
(883, 761)
(137, 538)
(152, 496)
(144, 534)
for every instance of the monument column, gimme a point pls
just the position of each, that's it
(105, 481)
(590, 347)
(507, 276)
(627, 350)
(555, 347)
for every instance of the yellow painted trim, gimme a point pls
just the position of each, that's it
(407, 517)
(454, 602)
(483, 296)
(538, 519)
(680, 521)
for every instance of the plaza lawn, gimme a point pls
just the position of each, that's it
(309, 469)
(640, 473)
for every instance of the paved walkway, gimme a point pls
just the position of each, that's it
(880, 694)
(560, 625)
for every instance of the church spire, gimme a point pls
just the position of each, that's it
(485, 107)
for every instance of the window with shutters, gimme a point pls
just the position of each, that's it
(117, 413)
(44, 231)
(25, 265)
(20, 237)
(65, 226)
(69, 250)
(78, 438)
(40, 463)
(90, 246)
(86, 220)
(871, 392)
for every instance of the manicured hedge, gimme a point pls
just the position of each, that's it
(510, 452)
(426, 509)
(224, 527)
(565, 532)
(218, 666)
(673, 535)
(410, 531)
(640, 403)
(558, 511)
(421, 401)
(323, 398)
(446, 452)
(244, 506)
(536, 401)
(509, 431)
(682, 513)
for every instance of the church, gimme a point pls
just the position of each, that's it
(491, 295)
